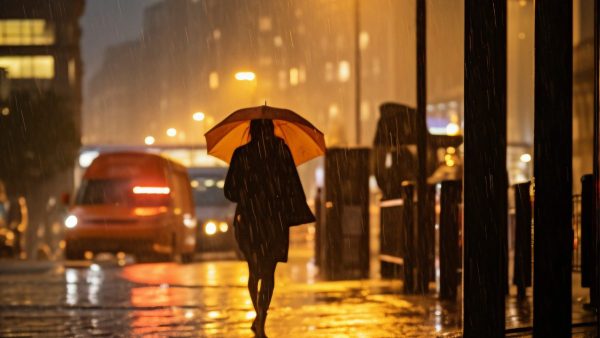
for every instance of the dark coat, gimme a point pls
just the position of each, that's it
(263, 180)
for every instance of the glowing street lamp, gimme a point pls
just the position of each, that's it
(149, 140)
(245, 76)
(171, 132)
(198, 116)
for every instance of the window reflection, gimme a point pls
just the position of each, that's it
(26, 32)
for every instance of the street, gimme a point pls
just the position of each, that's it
(206, 299)
(210, 299)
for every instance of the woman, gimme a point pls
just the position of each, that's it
(263, 180)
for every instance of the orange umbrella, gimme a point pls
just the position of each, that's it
(304, 140)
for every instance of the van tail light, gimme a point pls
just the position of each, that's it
(151, 190)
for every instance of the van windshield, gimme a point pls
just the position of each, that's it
(116, 192)
(208, 190)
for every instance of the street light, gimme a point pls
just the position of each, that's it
(149, 140)
(171, 132)
(198, 116)
(245, 76)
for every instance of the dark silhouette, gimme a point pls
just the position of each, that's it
(263, 180)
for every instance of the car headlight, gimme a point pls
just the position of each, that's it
(71, 221)
(210, 228)
(223, 226)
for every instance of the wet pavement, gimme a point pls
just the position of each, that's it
(210, 299)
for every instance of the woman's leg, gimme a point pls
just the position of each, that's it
(267, 285)
(253, 284)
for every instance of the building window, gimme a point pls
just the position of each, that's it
(26, 32)
(72, 72)
(294, 76)
(28, 67)
(344, 71)
(213, 80)
(328, 71)
(216, 34)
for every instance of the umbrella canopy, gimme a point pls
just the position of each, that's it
(304, 140)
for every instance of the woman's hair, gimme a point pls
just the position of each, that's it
(262, 129)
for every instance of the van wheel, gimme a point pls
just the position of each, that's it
(187, 258)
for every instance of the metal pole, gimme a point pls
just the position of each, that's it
(553, 169)
(357, 70)
(485, 178)
(596, 150)
(421, 255)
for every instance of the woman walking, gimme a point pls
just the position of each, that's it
(263, 181)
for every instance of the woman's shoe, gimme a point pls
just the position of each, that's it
(260, 325)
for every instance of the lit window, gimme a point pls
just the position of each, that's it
(302, 74)
(344, 71)
(364, 40)
(217, 35)
(278, 41)
(72, 72)
(264, 24)
(213, 80)
(333, 111)
(26, 32)
(282, 77)
(328, 72)
(28, 67)
(294, 75)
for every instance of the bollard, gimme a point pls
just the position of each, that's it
(318, 226)
(390, 238)
(450, 199)
(345, 238)
(588, 234)
(522, 258)
(408, 237)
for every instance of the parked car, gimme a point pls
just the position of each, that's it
(132, 202)
(215, 213)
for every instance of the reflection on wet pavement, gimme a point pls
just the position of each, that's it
(210, 299)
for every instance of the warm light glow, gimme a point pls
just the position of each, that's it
(149, 140)
(210, 228)
(223, 226)
(194, 184)
(171, 132)
(86, 158)
(294, 76)
(245, 76)
(198, 116)
(452, 128)
(344, 71)
(28, 67)
(26, 32)
(151, 190)
(149, 211)
(525, 158)
(189, 221)
(213, 80)
(71, 221)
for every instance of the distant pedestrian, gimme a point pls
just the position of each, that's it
(12, 218)
(263, 180)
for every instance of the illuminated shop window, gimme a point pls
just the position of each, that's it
(28, 67)
(26, 32)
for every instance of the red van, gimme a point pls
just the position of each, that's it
(136, 203)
